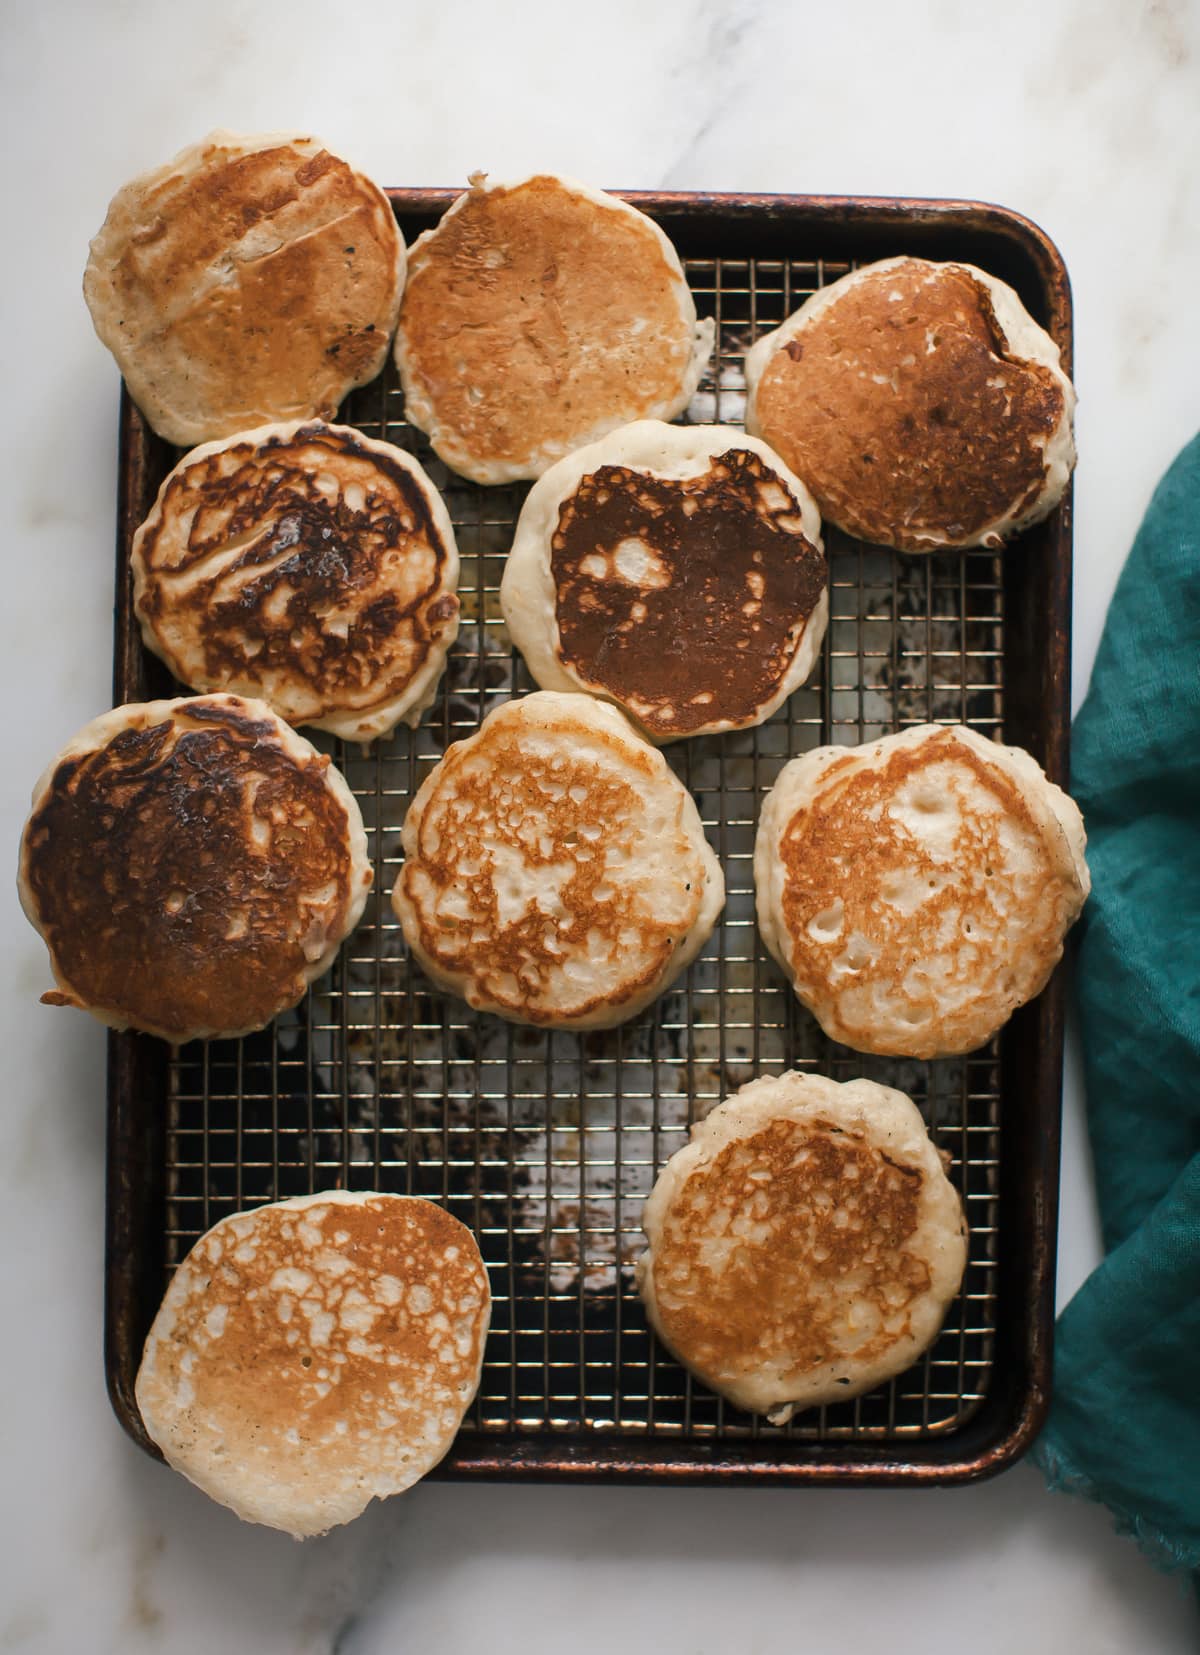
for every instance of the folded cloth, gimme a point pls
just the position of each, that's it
(1124, 1424)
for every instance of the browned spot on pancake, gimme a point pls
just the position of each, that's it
(790, 1250)
(184, 873)
(909, 417)
(711, 625)
(533, 316)
(259, 287)
(306, 569)
(869, 909)
(514, 805)
(316, 168)
(274, 1386)
(322, 1343)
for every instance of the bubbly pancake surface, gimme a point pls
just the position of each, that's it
(684, 600)
(316, 1353)
(804, 1244)
(917, 890)
(555, 870)
(913, 416)
(192, 866)
(249, 280)
(536, 316)
(307, 565)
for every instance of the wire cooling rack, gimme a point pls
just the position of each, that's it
(547, 1143)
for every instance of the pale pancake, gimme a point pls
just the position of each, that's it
(676, 571)
(192, 866)
(538, 315)
(917, 890)
(920, 402)
(306, 565)
(804, 1245)
(556, 871)
(249, 280)
(316, 1354)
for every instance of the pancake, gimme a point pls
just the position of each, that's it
(917, 890)
(804, 1245)
(316, 1354)
(192, 866)
(676, 571)
(538, 315)
(306, 565)
(248, 281)
(556, 871)
(921, 403)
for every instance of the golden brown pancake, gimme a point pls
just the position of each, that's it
(250, 280)
(804, 1245)
(537, 316)
(192, 866)
(307, 565)
(315, 1354)
(921, 404)
(556, 871)
(675, 570)
(917, 890)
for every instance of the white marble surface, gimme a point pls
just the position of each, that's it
(1084, 115)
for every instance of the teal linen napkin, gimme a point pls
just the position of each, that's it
(1124, 1424)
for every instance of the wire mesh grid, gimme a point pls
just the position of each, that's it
(546, 1143)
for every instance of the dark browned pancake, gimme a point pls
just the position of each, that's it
(192, 866)
(721, 582)
(914, 419)
(249, 280)
(537, 316)
(304, 564)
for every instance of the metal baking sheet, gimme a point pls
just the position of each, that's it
(546, 1143)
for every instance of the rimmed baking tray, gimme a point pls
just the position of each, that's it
(546, 1143)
